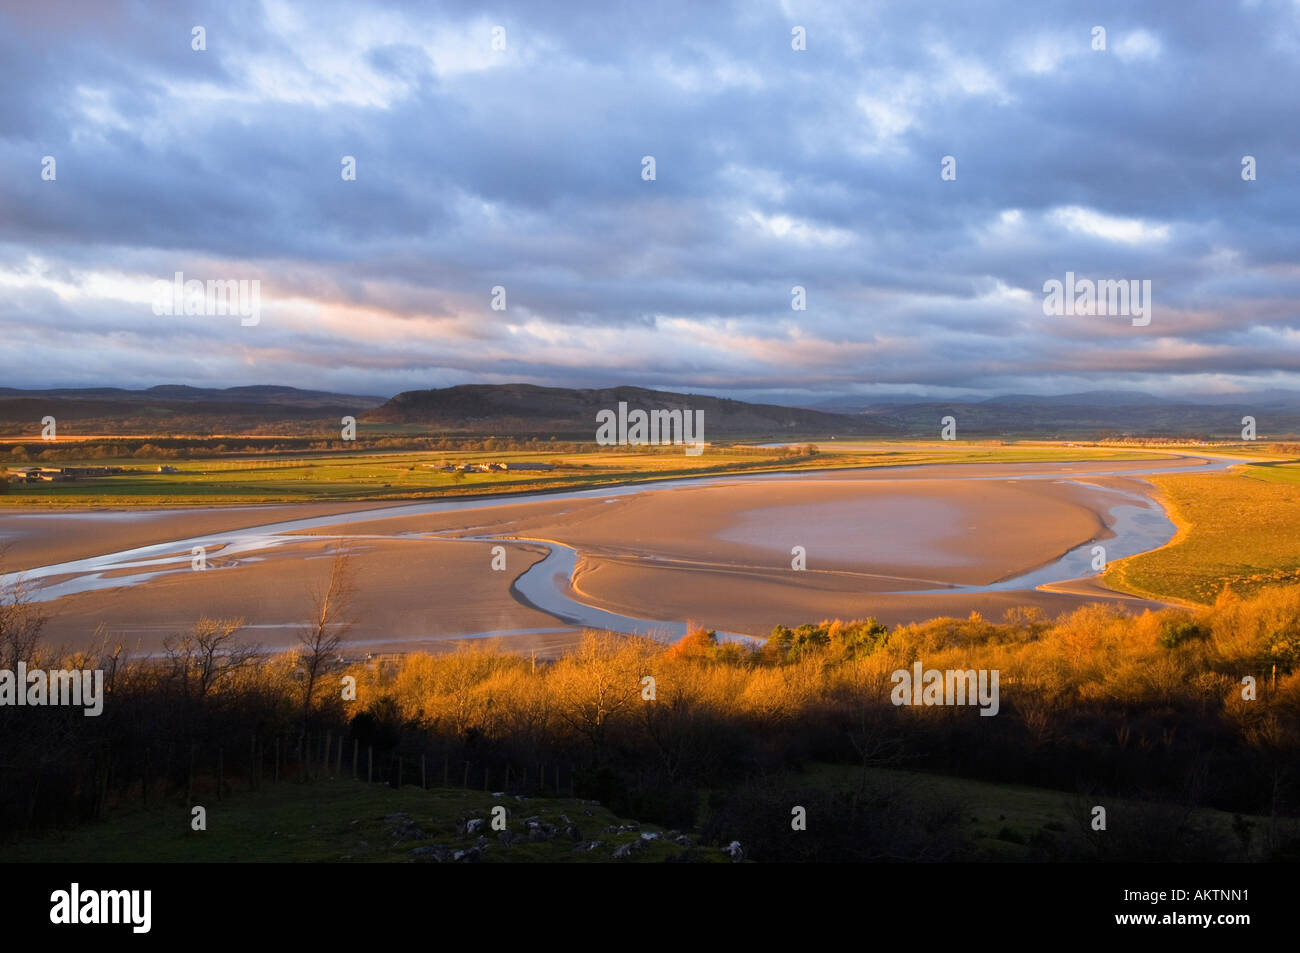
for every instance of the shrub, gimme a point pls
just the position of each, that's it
(1176, 632)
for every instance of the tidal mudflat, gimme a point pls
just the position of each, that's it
(739, 554)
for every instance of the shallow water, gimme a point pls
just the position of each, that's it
(915, 538)
(905, 530)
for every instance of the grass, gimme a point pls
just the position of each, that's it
(323, 477)
(332, 821)
(1238, 529)
(340, 820)
(1003, 820)
(1282, 471)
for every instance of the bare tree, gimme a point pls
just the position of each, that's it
(330, 622)
(21, 621)
(205, 655)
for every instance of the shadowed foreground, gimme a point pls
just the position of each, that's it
(1146, 716)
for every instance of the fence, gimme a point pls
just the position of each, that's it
(205, 772)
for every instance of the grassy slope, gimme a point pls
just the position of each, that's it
(335, 821)
(344, 821)
(1001, 819)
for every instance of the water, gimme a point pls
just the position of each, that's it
(1138, 525)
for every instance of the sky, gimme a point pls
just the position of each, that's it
(503, 146)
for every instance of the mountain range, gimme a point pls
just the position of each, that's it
(571, 413)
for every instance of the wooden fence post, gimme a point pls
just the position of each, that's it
(221, 771)
(103, 787)
(356, 746)
(277, 759)
(423, 780)
(370, 764)
(166, 769)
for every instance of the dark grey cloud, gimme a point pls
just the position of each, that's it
(775, 168)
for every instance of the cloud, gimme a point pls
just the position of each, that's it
(1086, 221)
(520, 167)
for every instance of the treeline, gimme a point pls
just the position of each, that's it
(72, 421)
(182, 448)
(1189, 440)
(36, 452)
(1110, 706)
(807, 450)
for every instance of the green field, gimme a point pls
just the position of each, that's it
(403, 475)
(1238, 529)
(1280, 471)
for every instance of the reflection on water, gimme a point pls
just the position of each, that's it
(899, 529)
(545, 586)
(1139, 526)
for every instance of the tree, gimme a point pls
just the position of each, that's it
(330, 622)
(698, 642)
(206, 655)
(21, 622)
(596, 686)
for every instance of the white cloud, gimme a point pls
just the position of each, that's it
(965, 75)
(797, 230)
(1087, 221)
(1138, 45)
(889, 117)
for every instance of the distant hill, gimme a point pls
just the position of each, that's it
(262, 394)
(1092, 398)
(569, 413)
(526, 408)
(1096, 415)
(174, 408)
(1086, 415)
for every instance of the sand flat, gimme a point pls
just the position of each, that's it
(753, 602)
(406, 589)
(715, 552)
(32, 537)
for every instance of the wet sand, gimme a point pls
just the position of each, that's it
(422, 588)
(32, 537)
(717, 553)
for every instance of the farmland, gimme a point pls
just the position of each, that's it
(1239, 529)
(206, 477)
